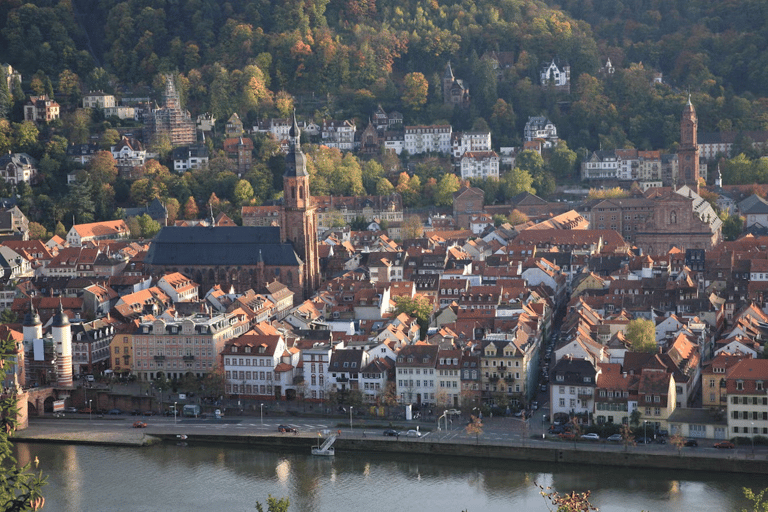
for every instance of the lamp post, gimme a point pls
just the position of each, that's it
(261, 413)
(174, 412)
(90, 411)
(350, 418)
(645, 431)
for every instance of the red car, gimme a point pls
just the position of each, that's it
(724, 444)
(139, 424)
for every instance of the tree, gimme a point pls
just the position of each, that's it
(516, 182)
(149, 226)
(418, 307)
(20, 488)
(284, 103)
(274, 505)
(562, 161)
(243, 193)
(38, 231)
(475, 428)
(627, 438)
(6, 100)
(191, 211)
(517, 217)
(678, 442)
(412, 227)
(415, 88)
(8, 317)
(60, 230)
(641, 334)
(384, 187)
(732, 225)
(757, 501)
(446, 186)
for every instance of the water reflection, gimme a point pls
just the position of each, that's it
(172, 478)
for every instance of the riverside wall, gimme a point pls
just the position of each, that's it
(561, 454)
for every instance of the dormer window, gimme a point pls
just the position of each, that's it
(234, 350)
(740, 385)
(759, 385)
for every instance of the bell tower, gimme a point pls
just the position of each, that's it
(298, 224)
(688, 153)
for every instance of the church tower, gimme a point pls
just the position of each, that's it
(61, 331)
(688, 153)
(298, 224)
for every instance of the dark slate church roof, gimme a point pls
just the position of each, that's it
(220, 245)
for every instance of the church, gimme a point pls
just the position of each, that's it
(250, 257)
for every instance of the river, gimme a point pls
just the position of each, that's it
(170, 478)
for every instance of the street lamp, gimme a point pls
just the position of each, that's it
(350, 418)
(174, 412)
(90, 411)
(645, 431)
(261, 413)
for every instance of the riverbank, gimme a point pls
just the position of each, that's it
(86, 435)
(534, 450)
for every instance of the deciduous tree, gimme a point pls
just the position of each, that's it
(641, 333)
(415, 88)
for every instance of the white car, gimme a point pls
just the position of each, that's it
(453, 412)
(591, 437)
(413, 433)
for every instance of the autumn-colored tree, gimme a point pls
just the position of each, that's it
(191, 211)
(102, 168)
(415, 88)
(678, 442)
(517, 217)
(172, 206)
(284, 103)
(475, 428)
(412, 227)
(213, 206)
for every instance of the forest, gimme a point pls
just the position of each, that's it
(339, 59)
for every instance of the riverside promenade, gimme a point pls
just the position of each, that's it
(255, 433)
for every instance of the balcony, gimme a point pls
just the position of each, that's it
(159, 358)
(585, 396)
(189, 358)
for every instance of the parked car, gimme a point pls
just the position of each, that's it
(149, 413)
(391, 433)
(135, 412)
(543, 387)
(591, 437)
(534, 405)
(614, 438)
(453, 412)
(70, 409)
(139, 424)
(413, 433)
(724, 444)
(643, 440)
(692, 442)
(114, 411)
(286, 428)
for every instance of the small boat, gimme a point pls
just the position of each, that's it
(326, 449)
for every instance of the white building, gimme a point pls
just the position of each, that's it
(541, 128)
(260, 366)
(121, 112)
(428, 139)
(338, 134)
(480, 164)
(470, 141)
(98, 100)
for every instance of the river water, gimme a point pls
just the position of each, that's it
(170, 478)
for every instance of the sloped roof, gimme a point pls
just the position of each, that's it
(203, 245)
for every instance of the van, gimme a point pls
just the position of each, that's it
(90, 378)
